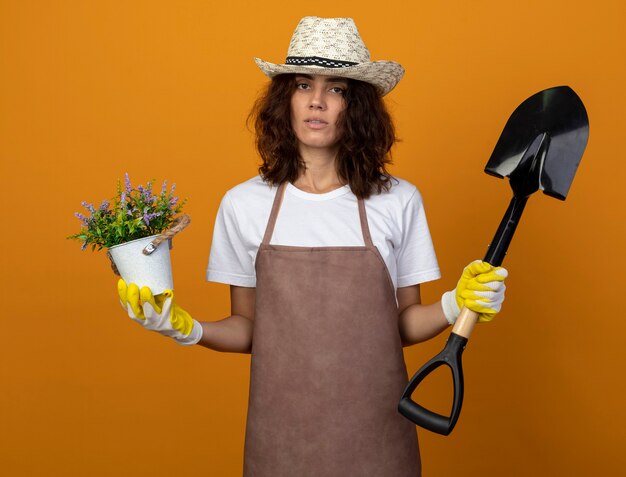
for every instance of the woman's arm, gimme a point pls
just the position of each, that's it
(232, 334)
(418, 322)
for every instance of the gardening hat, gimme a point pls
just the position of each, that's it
(333, 46)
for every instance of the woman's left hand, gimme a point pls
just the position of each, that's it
(480, 288)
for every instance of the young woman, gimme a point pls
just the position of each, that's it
(324, 253)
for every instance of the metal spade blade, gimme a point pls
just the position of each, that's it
(559, 114)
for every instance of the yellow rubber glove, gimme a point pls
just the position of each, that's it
(159, 313)
(480, 288)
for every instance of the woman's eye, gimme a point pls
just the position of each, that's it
(302, 86)
(338, 90)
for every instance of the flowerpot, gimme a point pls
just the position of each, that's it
(153, 271)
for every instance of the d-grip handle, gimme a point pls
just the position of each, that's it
(451, 357)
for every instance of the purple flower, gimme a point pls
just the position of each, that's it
(173, 201)
(127, 180)
(104, 206)
(146, 194)
(87, 206)
(147, 217)
(123, 200)
(84, 246)
(164, 187)
(84, 219)
(173, 188)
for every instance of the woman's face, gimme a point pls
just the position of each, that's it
(316, 105)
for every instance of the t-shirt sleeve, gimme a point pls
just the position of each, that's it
(416, 259)
(230, 261)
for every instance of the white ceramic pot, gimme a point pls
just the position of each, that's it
(153, 271)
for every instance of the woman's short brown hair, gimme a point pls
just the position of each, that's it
(364, 148)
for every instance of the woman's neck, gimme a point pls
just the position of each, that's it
(320, 175)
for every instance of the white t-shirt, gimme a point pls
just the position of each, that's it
(396, 220)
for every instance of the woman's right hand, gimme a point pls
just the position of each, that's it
(159, 313)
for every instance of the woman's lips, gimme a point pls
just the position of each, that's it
(315, 123)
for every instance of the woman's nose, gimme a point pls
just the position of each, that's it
(317, 100)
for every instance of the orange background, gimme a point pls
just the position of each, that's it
(90, 90)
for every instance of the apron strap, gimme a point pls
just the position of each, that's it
(269, 230)
(367, 238)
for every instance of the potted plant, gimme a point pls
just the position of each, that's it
(132, 230)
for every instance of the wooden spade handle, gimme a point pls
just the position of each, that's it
(465, 323)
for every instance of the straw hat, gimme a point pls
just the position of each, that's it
(333, 46)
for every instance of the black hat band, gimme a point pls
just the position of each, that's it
(317, 61)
